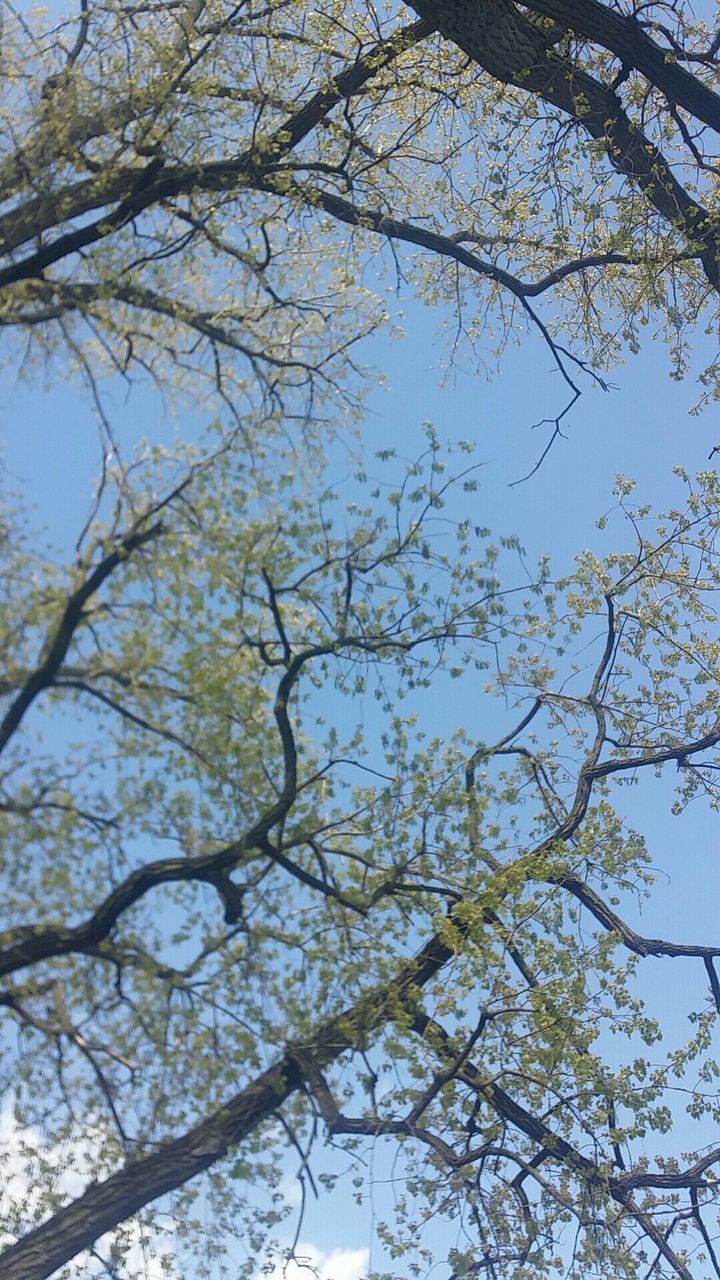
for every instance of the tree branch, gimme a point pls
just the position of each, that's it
(58, 641)
(624, 36)
(498, 38)
(104, 1205)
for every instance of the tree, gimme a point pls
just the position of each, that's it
(245, 912)
(257, 894)
(204, 188)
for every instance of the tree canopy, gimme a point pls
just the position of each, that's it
(220, 190)
(250, 888)
(265, 909)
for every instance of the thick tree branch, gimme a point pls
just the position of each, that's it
(624, 36)
(138, 1183)
(498, 38)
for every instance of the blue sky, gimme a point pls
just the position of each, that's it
(642, 428)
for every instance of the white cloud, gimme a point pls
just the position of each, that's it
(21, 1147)
(310, 1262)
(291, 1191)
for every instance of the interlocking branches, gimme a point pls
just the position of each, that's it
(342, 139)
(104, 1204)
(271, 851)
